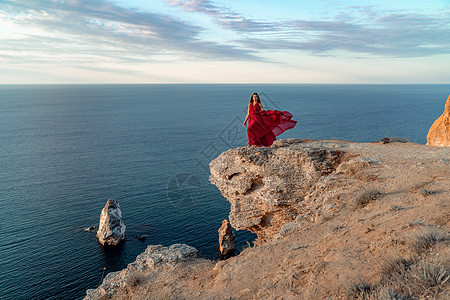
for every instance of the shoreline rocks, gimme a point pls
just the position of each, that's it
(154, 259)
(226, 240)
(111, 229)
(439, 133)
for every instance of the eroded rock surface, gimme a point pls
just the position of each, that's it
(111, 229)
(226, 239)
(154, 259)
(267, 186)
(439, 133)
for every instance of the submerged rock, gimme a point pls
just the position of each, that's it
(226, 240)
(111, 229)
(90, 228)
(141, 237)
(439, 133)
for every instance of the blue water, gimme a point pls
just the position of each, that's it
(66, 149)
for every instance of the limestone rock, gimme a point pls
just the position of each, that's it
(439, 133)
(156, 255)
(226, 240)
(111, 229)
(153, 259)
(266, 186)
(288, 228)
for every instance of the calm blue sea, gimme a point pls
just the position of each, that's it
(66, 149)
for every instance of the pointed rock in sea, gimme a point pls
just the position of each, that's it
(111, 229)
(226, 240)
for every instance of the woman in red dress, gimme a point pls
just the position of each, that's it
(265, 125)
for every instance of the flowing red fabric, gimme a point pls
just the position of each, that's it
(265, 125)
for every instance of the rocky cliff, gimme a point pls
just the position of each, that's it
(334, 219)
(439, 133)
(268, 187)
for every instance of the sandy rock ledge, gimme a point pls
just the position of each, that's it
(154, 259)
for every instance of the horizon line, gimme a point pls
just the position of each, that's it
(223, 83)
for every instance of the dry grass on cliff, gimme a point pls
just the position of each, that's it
(423, 241)
(396, 139)
(426, 192)
(421, 276)
(135, 279)
(366, 196)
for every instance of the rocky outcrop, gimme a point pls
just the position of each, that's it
(267, 187)
(153, 260)
(111, 229)
(311, 203)
(226, 240)
(439, 133)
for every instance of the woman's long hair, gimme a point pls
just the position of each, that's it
(251, 98)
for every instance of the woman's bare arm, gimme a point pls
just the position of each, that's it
(246, 117)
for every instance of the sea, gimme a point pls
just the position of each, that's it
(66, 149)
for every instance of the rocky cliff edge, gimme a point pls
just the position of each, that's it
(439, 133)
(334, 219)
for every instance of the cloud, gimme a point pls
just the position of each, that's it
(89, 32)
(389, 35)
(357, 30)
(85, 29)
(224, 16)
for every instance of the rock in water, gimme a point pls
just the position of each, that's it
(226, 240)
(141, 237)
(439, 133)
(111, 230)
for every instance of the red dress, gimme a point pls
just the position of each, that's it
(264, 126)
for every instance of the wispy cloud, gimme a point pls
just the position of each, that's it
(102, 37)
(223, 16)
(388, 36)
(358, 30)
(87, 29)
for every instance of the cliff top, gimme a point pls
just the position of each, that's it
(334, 219)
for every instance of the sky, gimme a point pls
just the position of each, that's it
(234, 41)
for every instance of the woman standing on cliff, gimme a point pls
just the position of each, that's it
(265, 125)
